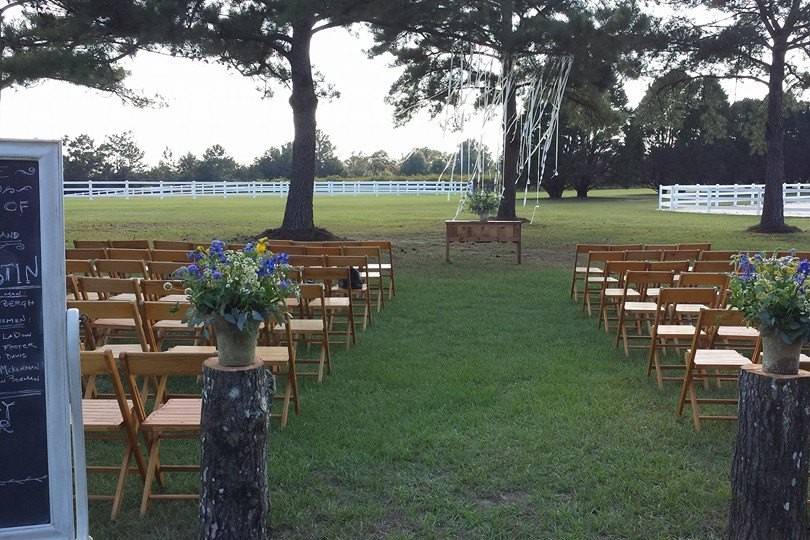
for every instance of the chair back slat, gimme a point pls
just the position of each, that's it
(164, 269)
(80, 267)
(170, 255)
(681, 255)
(713, 266)
(121, 268)
(129, 254)
(717, 255)
(173, 245)
(130, 244)
(85, 253)
(155, 289)
(106, 287)
(704, 279)
(643, 255)
(91, 244)
(667, 266)
(303, 261)
(700, 246)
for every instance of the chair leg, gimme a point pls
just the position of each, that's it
(154, 452)
(695, 411)
(118, 497)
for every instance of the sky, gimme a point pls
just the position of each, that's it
(206, 104)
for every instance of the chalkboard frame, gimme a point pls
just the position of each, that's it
(60, 468)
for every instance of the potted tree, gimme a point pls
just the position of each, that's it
(483, 203)
(234, 292)
(773, 293)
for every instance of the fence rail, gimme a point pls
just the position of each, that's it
(127, 189)
(723, 198)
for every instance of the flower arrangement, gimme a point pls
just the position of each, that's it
(773, 294)
(482, 202)
(242, 287)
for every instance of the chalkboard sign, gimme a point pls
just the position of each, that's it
(23, 423)
(36, 489)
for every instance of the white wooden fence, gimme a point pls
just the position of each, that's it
(126, 188)
(726, 198)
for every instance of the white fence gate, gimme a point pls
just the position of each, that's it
(130, 188)
(731, 199)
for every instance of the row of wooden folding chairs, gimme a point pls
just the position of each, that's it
(661, 252)
(380, 252)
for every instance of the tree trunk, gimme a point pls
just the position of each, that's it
(769, 470)
(773, 208)
(234, 496)
(298, 214)
(511, 142)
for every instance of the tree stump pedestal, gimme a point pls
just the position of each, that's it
(769, 470)
(234, 496)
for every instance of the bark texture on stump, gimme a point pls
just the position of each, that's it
(769, 470)
(234, 496)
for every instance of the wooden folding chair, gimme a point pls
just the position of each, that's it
(72, 288)
(103, 320)
(164, 269)
(717, 255)
(174, 245)
(703, 358)
(613, 294)
(386, 264)
(311, 327)
(86, 253)
(103, 288)
(167, 320)
(666, 266)
(670, 331)
(374, 271)
(177, 418)
(360, 263)
(333, 305)
(324, 250)
(130, 244)
(594, 281)
(121, 268)
(91, 244)
(641, 310)
(107, 419)
(129, 254)
(578, 274)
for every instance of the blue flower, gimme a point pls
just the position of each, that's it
(250, 247)
(217, 246)
(195, 255)
(285, 284)
(216, 274)
(804, 267)
(194, 270)
(748, 271)
(281, 258)
(267, 267)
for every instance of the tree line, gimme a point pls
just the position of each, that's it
(118, 157)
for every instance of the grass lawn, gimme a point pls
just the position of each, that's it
(482, 404)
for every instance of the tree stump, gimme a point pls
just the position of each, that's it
(234, 496)
(769, 470)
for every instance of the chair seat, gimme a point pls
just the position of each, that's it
(302, 326)
(175, 298)
(581, 269)
(379, 266)
(653, 292)
(602, 279)
(123, 297)
(271, 356)
(372, 275)
(179, 414)
(102, 414)
(690, 309)
(720, 358)
(171, 324)
(646, 307)
(114, 323)
(118, 348)
(618, 293)
(331, 302)
(292, 302)
(737, 332)
(675, 330)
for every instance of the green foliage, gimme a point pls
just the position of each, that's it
(240, 286)
(773, 295)
(482, 202)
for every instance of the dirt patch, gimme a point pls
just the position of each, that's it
(509, 498)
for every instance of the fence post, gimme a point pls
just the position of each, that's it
(160, 189)
(224, 190)
(90, 189)
(673, 199)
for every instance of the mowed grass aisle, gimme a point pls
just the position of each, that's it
(482, 404)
